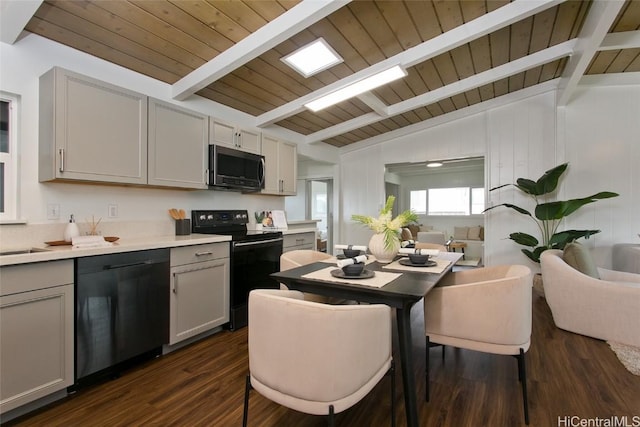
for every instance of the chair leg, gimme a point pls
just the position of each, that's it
(392, 371)
(247, 389)
(426, 369)
(522, 374)
(331, 416)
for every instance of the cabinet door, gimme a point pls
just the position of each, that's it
(178, 141)
(281, 168)
(288, 168)
(249, 141)
(199, 298)
(222, 134)
(233, 137)
(299, 241)
(91, 130)
(271, 175)
(36, 355)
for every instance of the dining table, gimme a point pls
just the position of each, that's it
(398, 286)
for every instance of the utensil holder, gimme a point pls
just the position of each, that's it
(183, 227)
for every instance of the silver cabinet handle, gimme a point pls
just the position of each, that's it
(61, 151)
(204, 253)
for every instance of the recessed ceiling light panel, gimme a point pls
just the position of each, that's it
(355, 89)
(434, 165)
(313, 58)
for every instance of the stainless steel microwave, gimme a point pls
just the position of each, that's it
(231, 169)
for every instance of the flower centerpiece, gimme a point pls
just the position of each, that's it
(385, 243)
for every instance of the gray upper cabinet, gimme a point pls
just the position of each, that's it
(178, 143)
(280, 166)
(232, 136)
(91, 130)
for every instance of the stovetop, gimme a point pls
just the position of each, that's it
(228, 223)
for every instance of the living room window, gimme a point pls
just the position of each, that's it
(448, 201)
(8, 156)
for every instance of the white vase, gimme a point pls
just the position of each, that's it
(377, 249)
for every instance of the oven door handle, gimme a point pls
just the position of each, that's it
(259, 242)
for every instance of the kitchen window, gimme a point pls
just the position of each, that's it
(8, 156)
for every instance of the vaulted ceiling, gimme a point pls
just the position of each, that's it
(456, 53)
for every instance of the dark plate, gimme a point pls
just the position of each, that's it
(408, 263)
(366, 274)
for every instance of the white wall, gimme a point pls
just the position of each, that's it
(21, 65)
(598, 133)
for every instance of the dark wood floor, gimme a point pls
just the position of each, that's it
(203, 385)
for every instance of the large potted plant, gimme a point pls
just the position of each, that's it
(385, 243)
(547, 214)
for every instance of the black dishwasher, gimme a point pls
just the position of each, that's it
(121, 311)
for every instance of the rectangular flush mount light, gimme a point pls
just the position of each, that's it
(313, 58)
(364, 85)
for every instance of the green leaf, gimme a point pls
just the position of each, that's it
(548, 182)
(524, 239)
(530, 255)
(510, 206)
(526, 185)
(563, 208)
(559, 240)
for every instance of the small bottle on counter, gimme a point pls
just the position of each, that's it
(71, 230)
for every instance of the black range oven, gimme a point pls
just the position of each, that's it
(254, 256)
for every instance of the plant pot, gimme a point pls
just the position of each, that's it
(377, 249)
(537, 284)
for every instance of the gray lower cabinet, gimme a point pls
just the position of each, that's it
(306, 240)
(199, 289)
(36, 331)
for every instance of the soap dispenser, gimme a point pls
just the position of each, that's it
(72, 230)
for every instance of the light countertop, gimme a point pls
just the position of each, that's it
(52, 253)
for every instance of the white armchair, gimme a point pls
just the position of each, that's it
(316, 358)
(605, 308)
(484, 309)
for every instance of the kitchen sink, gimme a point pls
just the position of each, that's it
(24, 251)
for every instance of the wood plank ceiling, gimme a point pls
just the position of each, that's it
(167, 40)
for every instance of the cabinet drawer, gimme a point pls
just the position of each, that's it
(296, 241)
(38, 275)
(199, 253)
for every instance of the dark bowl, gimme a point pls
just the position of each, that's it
(418, 258)
(351, 253)
(353, 269)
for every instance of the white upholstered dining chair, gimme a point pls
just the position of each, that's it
(485, 309)
(316, 358)
(300, 257)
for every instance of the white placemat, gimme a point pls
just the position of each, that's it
(442, 265)
(380, 278)
(333, 260)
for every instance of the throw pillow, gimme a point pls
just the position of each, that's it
(474, 233)
(460, 233)
(414, 228)
(579, 257)
(482, 233)
(406, 234)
